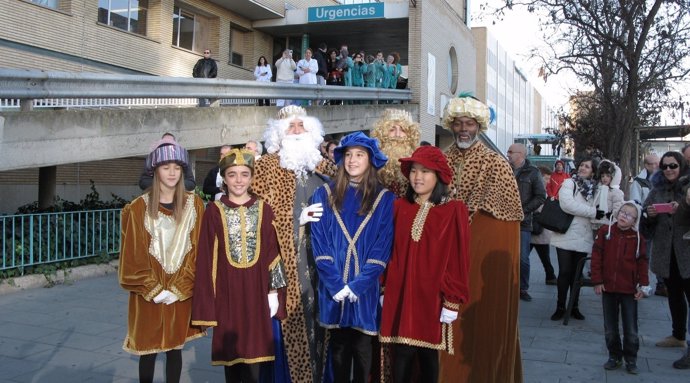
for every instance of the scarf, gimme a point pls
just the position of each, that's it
(587, 186)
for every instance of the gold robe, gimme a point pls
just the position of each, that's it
(486, 333)
(152, 327)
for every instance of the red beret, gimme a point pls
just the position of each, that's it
(430, 157)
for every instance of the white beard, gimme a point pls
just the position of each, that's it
(299, 154)
(467, 145)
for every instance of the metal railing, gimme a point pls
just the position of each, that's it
(30, 84)
(35, 239)
(119, 103)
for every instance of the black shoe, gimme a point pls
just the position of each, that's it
(613, 364)
(684, 362)
(524, 295)
(558, 315)
(631, 368)
(577, 314)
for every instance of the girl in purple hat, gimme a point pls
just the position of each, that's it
(160, 231)
(351, 246)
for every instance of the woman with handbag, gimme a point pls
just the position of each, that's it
(577, 196)
(666, 220)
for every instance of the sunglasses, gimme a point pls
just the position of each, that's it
(207, 52)
(668, 166)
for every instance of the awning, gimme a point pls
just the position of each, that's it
(657, 132)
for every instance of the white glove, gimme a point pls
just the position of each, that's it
(353, 297)
(311, 213)
(381, 300)
(162, 296)
(172, 298)
(342, 294)
(448, 316)
(273, 303)
(646, 290)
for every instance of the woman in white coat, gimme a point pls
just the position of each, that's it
(306, 70)
(578, 196)
(263, 73)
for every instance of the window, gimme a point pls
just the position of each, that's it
(128, 15)
(452, 70)
(190, 30)
(46, 3)
(239, 44)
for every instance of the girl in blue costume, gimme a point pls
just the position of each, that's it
(351, 246)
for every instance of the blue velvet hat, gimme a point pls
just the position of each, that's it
(378, 159)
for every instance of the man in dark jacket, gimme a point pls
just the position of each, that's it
(532, 195)
(205, 68)
(321, 57)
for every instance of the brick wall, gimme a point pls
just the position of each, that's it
(435, 27)
(74, 30)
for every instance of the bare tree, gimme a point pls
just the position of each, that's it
(630, 52)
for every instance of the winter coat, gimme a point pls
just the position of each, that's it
(641, 186)
(285, 69)
(666, 230)
(555, 183)
(322, 62)
(532, 192)
(205, 68)
(619, 258)
(579, 236)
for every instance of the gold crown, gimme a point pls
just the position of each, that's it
(237, 157)
(292, 111)
(397, 115)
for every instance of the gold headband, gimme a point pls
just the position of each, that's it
(398, 115)
(292, 111)
(237, 157)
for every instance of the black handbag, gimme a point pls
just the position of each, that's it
(537, 228)
(552, 217)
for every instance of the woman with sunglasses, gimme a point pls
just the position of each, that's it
(665, 221)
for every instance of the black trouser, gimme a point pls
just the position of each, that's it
(567, 264)
(347, 345)
(264, 102)
(678, 299)
(617, 305)
(404, 360)
(242, 373)
(544, 253)
(173, 366)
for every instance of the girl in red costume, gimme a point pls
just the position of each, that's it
(426, 281)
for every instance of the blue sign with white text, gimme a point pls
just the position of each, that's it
(346, 12)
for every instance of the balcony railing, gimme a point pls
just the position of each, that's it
(95, 90)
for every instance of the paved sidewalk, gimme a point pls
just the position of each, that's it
(74, 333)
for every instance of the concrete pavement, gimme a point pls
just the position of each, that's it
(74, 333)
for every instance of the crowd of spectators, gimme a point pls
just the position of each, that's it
(322, 66)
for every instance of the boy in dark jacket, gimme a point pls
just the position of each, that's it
(619, 274)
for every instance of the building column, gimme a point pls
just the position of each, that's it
(47, 181)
